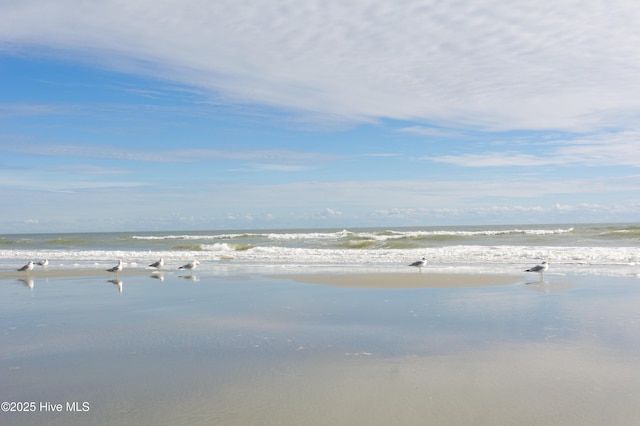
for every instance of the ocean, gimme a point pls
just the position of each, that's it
(591, 249)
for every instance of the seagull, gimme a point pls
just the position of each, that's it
(539, 268)
(28, 267)
(420, 263)
(191, 265)
(116, 268)
(158, 264)
(43, 263)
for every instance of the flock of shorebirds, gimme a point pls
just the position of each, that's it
(116, 269)
(159, 264)
(541, 268)
(29, 266)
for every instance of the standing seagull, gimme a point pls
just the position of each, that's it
(28, 267)
(116, 268)
(539, 268)
(43, 263)
(190, 266)
(158, 264)
(420, 263)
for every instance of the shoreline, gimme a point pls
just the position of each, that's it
(371, 280)
(72, 273)
(402, 280)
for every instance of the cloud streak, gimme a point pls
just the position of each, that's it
(489, 64)
(607, 149)
(189, 155)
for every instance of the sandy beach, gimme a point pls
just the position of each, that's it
(316, 349)
(404, 280)
(357, 280)
(71, 273)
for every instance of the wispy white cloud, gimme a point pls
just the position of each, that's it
(281, 167)
(300, 204)
(15, 110)
(85, 169)
(59, 184)
(431, 131)
(510, 213)
(605, 149)
(189, 155)
(388, 195)
(67, 177)
(330, 212)
(489, 64)
(381, 155)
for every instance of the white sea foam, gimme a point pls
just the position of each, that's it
(584, 249)
(378, 236)
(461, 258)
(174, 237)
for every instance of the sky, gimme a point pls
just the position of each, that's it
(134, 115)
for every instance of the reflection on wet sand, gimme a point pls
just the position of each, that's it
(117, 282)
(69, 272)
(540, 281)
(290, 353)
(28, 282)
(190, 277)
(157, 275)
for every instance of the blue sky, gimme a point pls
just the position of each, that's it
(145, 115)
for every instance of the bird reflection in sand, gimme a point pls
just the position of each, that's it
(157, 275)
(538, 285)
(27, 282)
(117, 282)
(190, 277)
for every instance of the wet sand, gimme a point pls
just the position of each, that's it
(404, 280)
(367, 280)
(37, 273)
(322, 349)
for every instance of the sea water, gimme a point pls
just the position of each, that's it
(593, 249)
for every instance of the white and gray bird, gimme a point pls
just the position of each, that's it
(158, 264)
(190, 266)
(419, 263)
(541, 268)
(28, 267)
(43, 263)
(116, 268)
